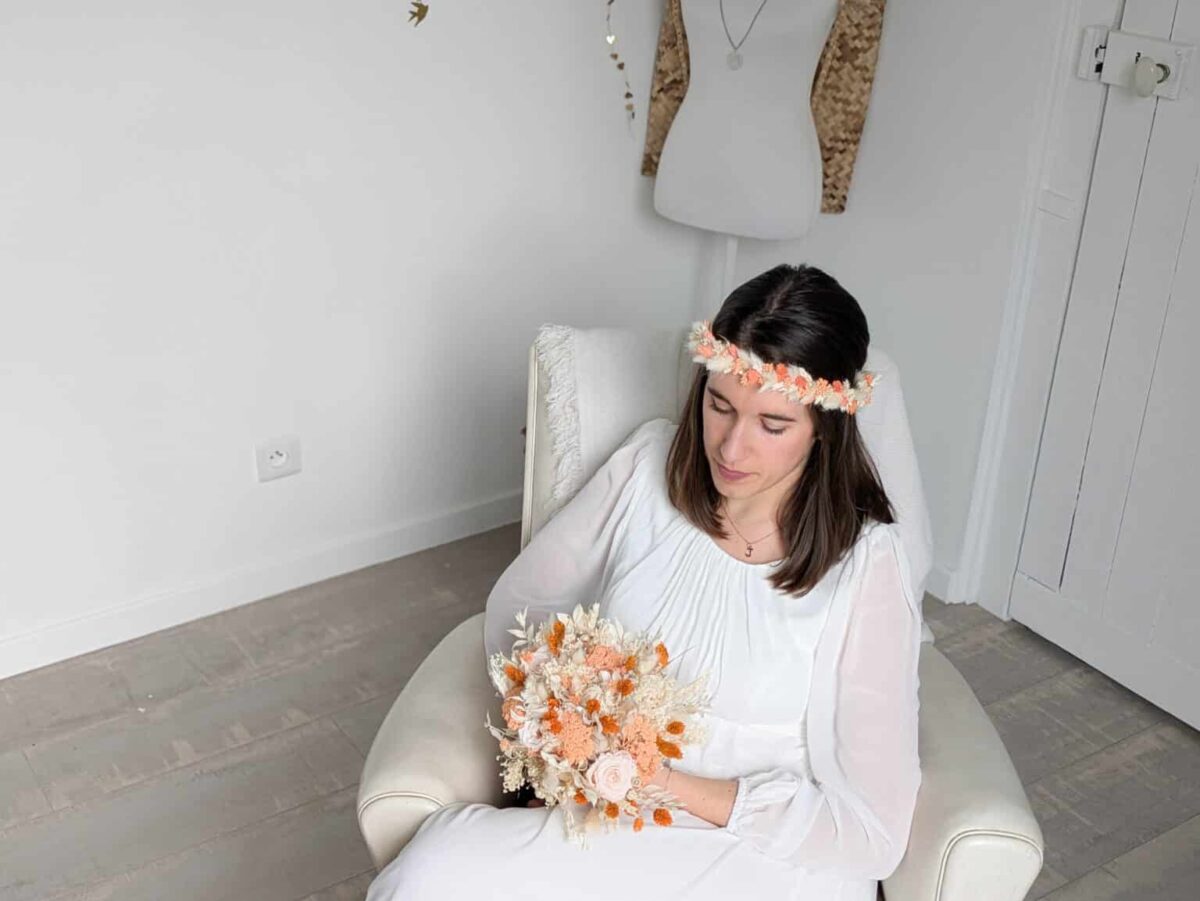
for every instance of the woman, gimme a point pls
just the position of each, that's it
(756, 539)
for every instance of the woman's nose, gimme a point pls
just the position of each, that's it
(731, 445)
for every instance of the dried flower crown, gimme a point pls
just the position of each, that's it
(719, 355)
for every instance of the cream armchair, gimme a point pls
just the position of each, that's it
(974, 836)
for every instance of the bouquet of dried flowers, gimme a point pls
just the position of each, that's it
(590, 715)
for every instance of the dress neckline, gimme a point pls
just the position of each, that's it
(724, 553)
(717, 549)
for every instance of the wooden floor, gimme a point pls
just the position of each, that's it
(220, 759)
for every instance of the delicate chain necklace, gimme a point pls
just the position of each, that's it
(735, 58)
(749, 545)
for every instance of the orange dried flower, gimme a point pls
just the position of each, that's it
(609, 725)
(638, 824)
(580, 797)
(553, 703)
(576, 742)
(592, 706)
(625, 687)
(663, 657)
(555, 639)
(669, 749)
(515, 673)
(662, 816)
(611, 810)
(631, 662)
(603, 656)
(675, 727)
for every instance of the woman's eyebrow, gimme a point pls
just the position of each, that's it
(717, 394)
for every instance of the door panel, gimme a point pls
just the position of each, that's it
(1109, 566)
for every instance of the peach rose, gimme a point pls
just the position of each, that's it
(612, 774)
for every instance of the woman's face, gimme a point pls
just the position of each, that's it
(760, 433)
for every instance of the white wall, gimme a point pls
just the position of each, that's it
(220, 225)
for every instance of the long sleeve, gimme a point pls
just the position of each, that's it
(853, 818)
(564, 562)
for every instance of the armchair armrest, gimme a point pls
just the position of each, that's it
(974, 836)
(432, 748)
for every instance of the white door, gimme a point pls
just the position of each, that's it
(1109, 566)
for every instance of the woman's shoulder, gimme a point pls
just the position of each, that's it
(876, 537)
(655, 433)
(648, 446)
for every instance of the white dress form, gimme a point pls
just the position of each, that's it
(742, 155)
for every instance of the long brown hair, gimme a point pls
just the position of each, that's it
(801, 316)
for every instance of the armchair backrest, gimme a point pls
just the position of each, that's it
(590, 388)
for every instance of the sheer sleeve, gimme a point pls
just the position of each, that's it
(564, 562)
(853, 817)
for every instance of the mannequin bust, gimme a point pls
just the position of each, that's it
(742, 155)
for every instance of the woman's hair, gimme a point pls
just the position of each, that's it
(801, 316)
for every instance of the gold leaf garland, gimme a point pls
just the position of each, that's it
(419, 10)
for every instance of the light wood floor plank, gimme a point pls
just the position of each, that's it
(186, 807)
(280, 858)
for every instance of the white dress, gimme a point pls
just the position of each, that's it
(814, 712)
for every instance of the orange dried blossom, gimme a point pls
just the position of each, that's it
(663, 657)
(555, 639)
(669, 749)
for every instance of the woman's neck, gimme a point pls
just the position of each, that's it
(751, 513)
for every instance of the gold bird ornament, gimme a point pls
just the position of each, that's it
(418, 12)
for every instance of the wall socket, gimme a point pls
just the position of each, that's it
(277, 458)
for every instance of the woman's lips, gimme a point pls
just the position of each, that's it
(731, 475)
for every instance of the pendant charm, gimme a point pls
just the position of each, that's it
(735, 60)
(749, 550)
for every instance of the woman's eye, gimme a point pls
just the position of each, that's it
(770, 430)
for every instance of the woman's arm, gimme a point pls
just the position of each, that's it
(853, 817)
(709, 799)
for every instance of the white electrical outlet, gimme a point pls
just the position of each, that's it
(277, 458)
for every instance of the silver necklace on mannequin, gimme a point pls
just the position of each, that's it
(735, 57)
(749, 544)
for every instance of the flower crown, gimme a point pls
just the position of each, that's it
(719, 355)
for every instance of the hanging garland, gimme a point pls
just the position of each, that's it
(419, 10)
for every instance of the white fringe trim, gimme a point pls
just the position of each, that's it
(555, 350)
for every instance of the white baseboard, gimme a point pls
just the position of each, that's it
(940, 583)
(60, 641)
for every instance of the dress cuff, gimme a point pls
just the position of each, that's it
(758, 792)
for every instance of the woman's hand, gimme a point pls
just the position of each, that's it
(535, 802)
